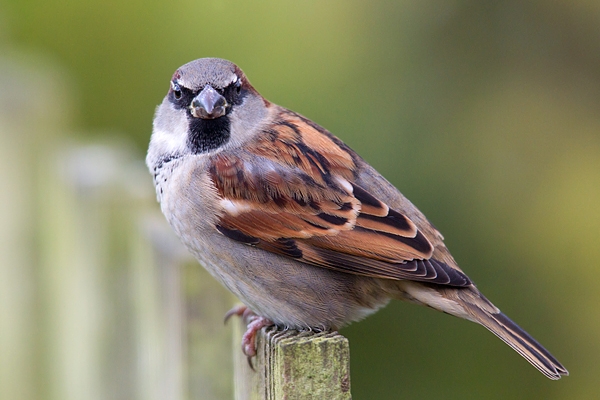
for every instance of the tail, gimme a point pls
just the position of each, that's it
(522, 342)
(469, 303)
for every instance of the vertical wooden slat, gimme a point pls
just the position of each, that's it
(17, 231)
(158, 313)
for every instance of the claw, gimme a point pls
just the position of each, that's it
(255, 323)
(238, 310)
(249, 338)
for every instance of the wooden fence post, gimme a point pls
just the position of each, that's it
(293, 365)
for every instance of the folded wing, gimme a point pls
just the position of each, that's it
(291, 192)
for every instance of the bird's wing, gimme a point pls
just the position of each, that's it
(292, 191)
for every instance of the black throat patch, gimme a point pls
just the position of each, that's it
(208, 134)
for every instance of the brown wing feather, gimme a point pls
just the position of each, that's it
(291, 192)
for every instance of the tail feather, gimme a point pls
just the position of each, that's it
(470, 304)
(522, 342)
(482, 311)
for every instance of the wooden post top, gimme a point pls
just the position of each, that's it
(294, 365)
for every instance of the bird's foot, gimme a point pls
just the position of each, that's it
(254, 324)
(242, 311)
(249, 337)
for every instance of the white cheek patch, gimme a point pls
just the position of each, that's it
(170, 131)
(169, 142)
(246, 120)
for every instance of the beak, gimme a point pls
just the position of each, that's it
(209, 104)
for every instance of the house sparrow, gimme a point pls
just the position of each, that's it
(293, 222)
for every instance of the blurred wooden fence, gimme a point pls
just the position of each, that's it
(98, 299)
(94, 286)
(92, 281)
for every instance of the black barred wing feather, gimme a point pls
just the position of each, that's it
(291, 192)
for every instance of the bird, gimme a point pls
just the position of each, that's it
(296, 224)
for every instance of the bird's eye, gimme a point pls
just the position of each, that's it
(176, 90)
(238, 85)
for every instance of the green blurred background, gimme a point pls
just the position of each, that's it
(485, 114)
